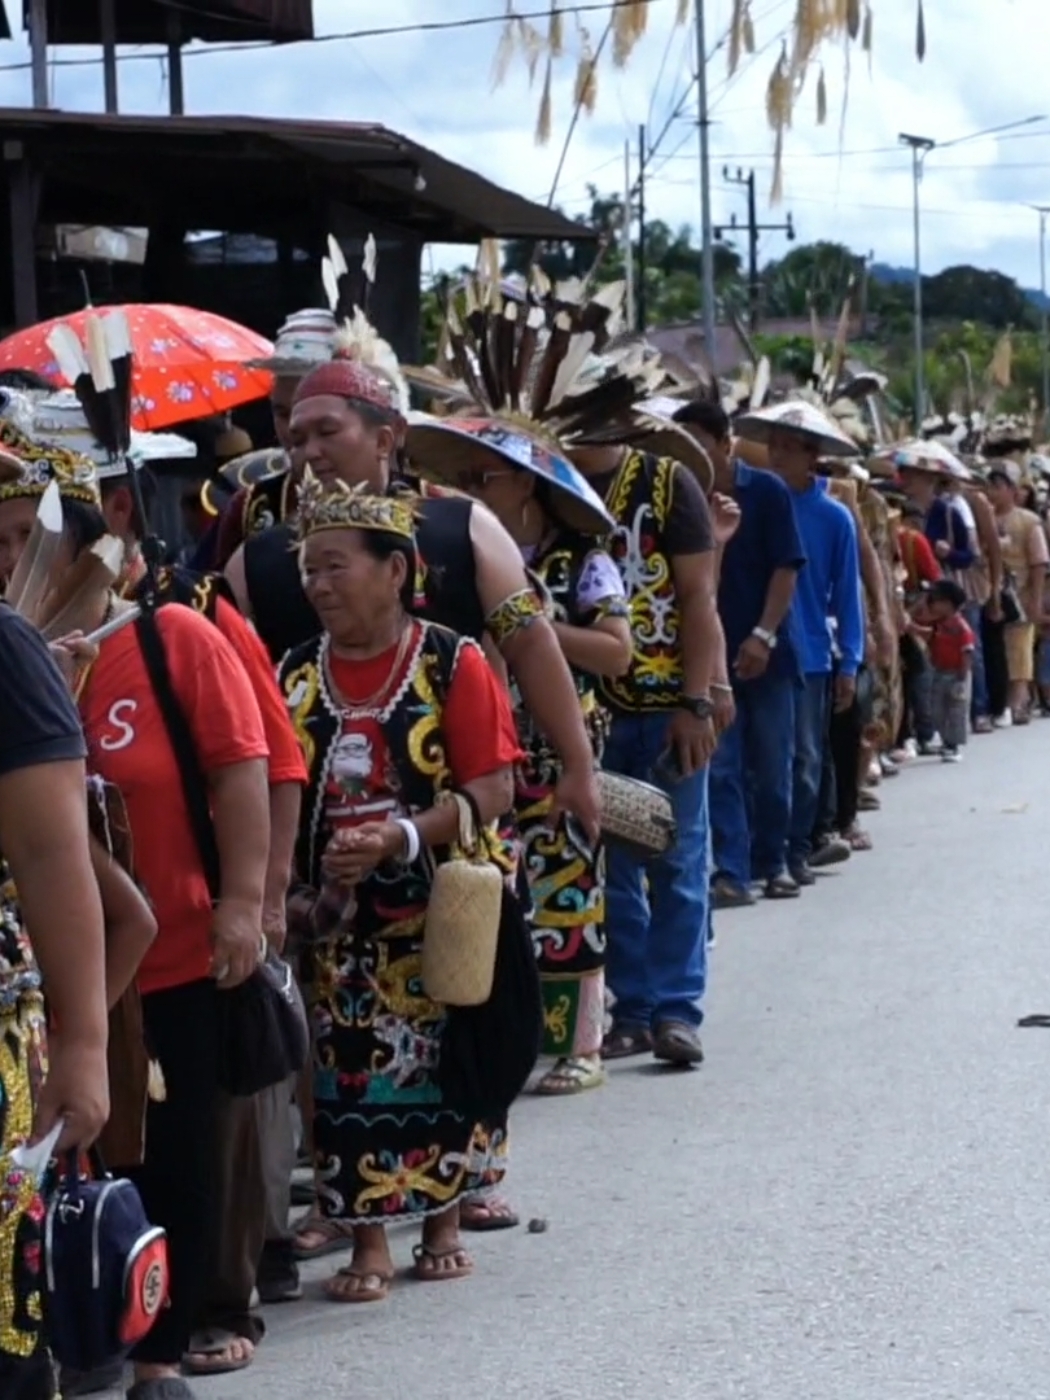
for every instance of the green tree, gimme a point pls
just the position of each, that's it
(973, 294)
(814, 273)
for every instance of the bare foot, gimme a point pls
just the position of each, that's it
(218, 1355)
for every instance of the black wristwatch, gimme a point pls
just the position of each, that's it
(701, 706)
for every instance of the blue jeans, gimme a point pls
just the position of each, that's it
(811, 737)
(973, 612)
(751, 782)
(657, 911)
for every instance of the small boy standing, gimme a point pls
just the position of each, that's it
(951, 645)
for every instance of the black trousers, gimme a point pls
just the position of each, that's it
(917, 720)
(31, 1379)
(177, 1179)
(997, 677)
(840, 778)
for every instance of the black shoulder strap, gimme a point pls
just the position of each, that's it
(194, 784)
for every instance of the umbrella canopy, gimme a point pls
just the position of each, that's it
(435, 450)
(186, 363)
(929, 455)
(797, 416)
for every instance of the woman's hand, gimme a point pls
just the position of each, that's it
(352, 854)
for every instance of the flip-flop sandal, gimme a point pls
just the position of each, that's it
(858, 838)
(378, 1293)
(337, 1237)
(423, 1274)
(482, 1217)
(572, 1075)
(867, 801)
(206, 1354)
(624, 1041)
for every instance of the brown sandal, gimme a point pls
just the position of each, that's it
(377, 1293)
(624, 1041)
(336, 1236)
(428, 1261)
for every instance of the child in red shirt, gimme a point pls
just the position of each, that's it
(951, 643)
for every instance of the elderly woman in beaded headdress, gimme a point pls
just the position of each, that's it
(557, 521)
(392, 712)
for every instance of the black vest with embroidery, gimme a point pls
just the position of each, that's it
(267, 503)
(284, 619)
(556, 572)
(201, 592)
(639, 500)
(411, 727)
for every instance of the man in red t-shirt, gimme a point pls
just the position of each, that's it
(951, 643)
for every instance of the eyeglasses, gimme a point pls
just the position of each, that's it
(478, 480)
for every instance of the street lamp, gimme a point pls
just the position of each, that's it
(921, 146)
(1044, 336)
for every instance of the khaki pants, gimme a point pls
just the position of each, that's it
(1020, 651)
(254, 1169)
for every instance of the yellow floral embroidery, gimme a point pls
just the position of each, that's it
(21, 1043)
(301, 688)
(556, 1020)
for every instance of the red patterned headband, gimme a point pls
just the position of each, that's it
(348, 379)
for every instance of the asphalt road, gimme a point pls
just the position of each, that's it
(849, 1201)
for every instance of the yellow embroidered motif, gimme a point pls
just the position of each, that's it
(301, 688)
(21, 1044)
(513, 615)
(404, 1180)
(401, 988)
(556, 1020)
(426, 746)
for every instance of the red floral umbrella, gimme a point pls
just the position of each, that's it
(187, 363)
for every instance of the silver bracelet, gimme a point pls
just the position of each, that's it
(412, 841)
(725, 689)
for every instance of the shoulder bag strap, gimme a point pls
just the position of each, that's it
(194, 784)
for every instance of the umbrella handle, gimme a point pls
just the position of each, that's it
(86, 286)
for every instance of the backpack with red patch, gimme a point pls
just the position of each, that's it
(105, 1268)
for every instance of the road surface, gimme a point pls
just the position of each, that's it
(849, 1201)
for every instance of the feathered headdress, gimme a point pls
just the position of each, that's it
(100, 373)
(55, 599)
(550, 358)
(356, 338)
(337, 506)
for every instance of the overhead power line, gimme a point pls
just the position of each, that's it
(379, 32)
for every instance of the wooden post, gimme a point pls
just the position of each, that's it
(38, 50)
(108, 25)
(176, 91)
(21, 193)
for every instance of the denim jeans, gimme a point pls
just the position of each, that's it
(973, 613)
(657, 911)
(811, 736)
(751, 782)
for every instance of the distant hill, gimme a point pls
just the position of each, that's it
(883, 272)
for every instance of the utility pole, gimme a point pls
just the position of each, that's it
(1044, 337)
(920, 148)
(627, 245)
(754, 228)
(640, 285)
(706, 232)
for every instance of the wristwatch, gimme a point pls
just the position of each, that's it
(765, 635)
(701, 706)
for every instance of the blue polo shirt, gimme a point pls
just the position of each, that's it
(767, 539)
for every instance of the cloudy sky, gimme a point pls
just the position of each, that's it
(984, 68)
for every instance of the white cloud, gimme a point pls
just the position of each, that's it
(984, 68)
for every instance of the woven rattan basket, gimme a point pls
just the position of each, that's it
(636, 815)
(462, 922)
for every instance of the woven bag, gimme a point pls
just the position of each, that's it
(636, 815)
(463, 918)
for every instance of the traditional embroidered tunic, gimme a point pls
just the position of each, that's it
(566, 877)
(385, 1145)
(640, 501)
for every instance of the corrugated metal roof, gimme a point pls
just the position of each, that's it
(221, 172)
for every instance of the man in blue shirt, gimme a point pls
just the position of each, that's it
(829, 587)
(751, 772)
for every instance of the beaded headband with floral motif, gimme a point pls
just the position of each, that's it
(41, 464)
(341, 507)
